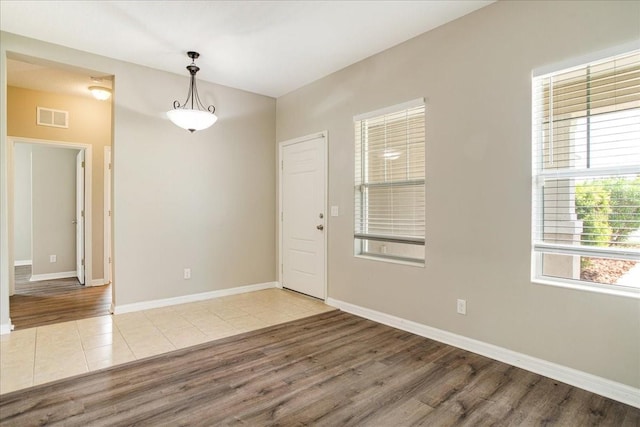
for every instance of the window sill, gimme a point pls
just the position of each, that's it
(620, 291)
(391, 260)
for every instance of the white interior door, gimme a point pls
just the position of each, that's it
(79, 221)
(303, 216)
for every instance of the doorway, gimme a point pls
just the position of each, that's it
(56, 261)
(57, 179)
(303, 242)
(51, 101)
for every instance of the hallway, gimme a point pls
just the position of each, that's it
(54, 301)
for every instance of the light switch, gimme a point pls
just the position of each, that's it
(334, 211)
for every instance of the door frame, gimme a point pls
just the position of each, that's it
(281, 145)
(81, 268)
(108, 215)
(12, 140)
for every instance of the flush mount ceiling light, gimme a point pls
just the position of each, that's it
(192, 115)
(100, 93)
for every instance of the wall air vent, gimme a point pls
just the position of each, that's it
(51, 117)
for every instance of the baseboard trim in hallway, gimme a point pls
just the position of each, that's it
(5, 328)
(52, 276)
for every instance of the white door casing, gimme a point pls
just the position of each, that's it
(303, 215)
(108, 265)
(80, 212)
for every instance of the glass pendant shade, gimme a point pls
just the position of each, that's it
(192, 115)
(191, 120)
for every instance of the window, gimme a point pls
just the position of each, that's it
(389, 183)
(586, 198)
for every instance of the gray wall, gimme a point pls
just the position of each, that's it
(22, 203)
(205, 200)
(54, 209)
(475, 73)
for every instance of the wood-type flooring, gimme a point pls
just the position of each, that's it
(332, 369)
(54, 301)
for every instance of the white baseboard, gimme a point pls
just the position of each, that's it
(146, 305)
(96, 282)
(6, 328)
(52, 276)
(602, 386)
(18, 263)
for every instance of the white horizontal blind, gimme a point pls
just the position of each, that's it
(389, 178)
(587, 159)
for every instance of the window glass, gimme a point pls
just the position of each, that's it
(586, 198)
(389, 184)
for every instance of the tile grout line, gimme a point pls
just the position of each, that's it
(114, 324)
(84, 353)
(35, 355)
(160, 330)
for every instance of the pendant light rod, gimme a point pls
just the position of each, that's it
(192, 114)
(192, 95)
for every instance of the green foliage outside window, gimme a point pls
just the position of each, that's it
(609, 210)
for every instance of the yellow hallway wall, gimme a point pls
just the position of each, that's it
(89, 123)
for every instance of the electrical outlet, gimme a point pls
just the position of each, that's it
(53, 258)
(462, 306)
(187, 273)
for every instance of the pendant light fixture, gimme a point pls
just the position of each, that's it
(192, 115)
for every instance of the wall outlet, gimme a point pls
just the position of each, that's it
(187, 273)
(53, 258)
(462, 306)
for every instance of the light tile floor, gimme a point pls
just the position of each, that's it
(38, 355)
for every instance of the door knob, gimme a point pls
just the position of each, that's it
(320, 227)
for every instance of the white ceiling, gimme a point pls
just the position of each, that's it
(266, 47)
